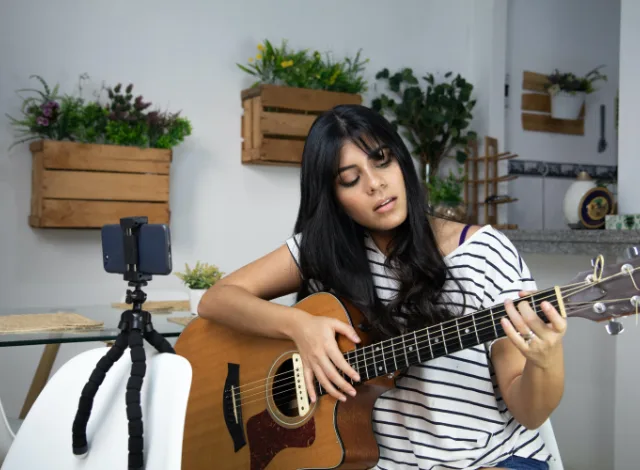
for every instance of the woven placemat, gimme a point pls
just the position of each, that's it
(184, 321)
(159, 306)
(35, 322)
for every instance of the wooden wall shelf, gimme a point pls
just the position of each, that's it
(539, 103)
(277, 119)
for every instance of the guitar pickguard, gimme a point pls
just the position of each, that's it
(267, 438)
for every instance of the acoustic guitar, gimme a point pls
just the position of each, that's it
(249, 408)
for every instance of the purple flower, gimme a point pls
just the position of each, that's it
(42, 121)
(47, 112)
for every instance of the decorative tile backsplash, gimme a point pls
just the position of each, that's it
(562, 170)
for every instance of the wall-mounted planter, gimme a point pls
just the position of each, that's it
(277, 119)
(88, 185)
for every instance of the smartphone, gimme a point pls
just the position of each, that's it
(154, 249)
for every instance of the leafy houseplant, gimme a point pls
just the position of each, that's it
(198, 279)
(445, 195)
(433, 120)
(302, 69)
(568, 91)
(121, 120)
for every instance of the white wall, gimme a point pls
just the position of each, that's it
(181, 56)
(627, 414)
(571, 35)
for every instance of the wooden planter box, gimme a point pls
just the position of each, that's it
(88, 185)
(277, 119)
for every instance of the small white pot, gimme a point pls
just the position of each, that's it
(566, 105)
(195, 295)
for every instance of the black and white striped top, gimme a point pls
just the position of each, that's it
(448, 413)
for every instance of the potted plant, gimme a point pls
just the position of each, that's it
(434, 120)
(97, 160)
(445, 196)
(568, 92)
(292, 87)
(198, 280)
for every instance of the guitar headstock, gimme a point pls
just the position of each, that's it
(606, 292)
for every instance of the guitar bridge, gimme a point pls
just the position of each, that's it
(302, 398)
(232, 406)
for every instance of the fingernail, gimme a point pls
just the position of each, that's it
(357, 378)
(356, 339)
(343, 399)
(545, 305)
(352, 393)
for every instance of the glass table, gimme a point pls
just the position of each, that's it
(110, 316)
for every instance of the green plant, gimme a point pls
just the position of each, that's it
(446, 190)
(202, 276)
(122, 120)
(570, 83)
(302, 69)
(434, 120)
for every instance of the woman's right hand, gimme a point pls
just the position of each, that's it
(315, 337)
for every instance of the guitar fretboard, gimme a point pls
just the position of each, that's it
(391, 355)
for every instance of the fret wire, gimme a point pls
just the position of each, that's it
(473, 317)
(357, 367)
(349, 362)
(493, 321)
(444, 340)
(415, 339)
(375, 363)
(384, 360)
(459, 337)
(404, 347)
(366, 368)
(393, 351)
(429, 341)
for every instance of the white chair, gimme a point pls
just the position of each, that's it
(44, 439)
(6, 434)
(549, 438)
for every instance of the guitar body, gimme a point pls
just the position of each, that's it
(243, 413)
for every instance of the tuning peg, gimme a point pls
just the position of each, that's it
(632, 252)
(614, 327)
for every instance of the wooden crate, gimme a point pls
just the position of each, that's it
(88, 185)
(277, 119)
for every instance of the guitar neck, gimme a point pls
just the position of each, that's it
(388, 356)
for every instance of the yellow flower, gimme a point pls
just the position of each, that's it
(286, 63)
(260, 47)
(259, 56)
(250, 59)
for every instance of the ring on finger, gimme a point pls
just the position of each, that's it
(528, 337)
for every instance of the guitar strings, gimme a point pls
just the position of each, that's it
(291, 380)
(479, 321)
(465, 320)
(241, 393)
(482, 321)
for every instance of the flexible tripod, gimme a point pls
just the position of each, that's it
(135, 324)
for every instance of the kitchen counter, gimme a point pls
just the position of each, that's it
(574, 242)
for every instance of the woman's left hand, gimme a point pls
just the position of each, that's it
(536, 340)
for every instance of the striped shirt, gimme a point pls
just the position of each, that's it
(448, 413)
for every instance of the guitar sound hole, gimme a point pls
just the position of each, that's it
(283, 389)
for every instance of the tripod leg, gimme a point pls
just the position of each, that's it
(134, 410)
(79, 429)
(158, 341)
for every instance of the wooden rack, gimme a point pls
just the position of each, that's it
(536, 108)
(489, 183)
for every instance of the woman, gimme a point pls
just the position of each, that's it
(363, 233)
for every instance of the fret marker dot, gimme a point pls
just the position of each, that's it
(466, 330)
(410, 348)
(379, 367)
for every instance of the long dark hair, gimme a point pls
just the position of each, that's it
(332, 250)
